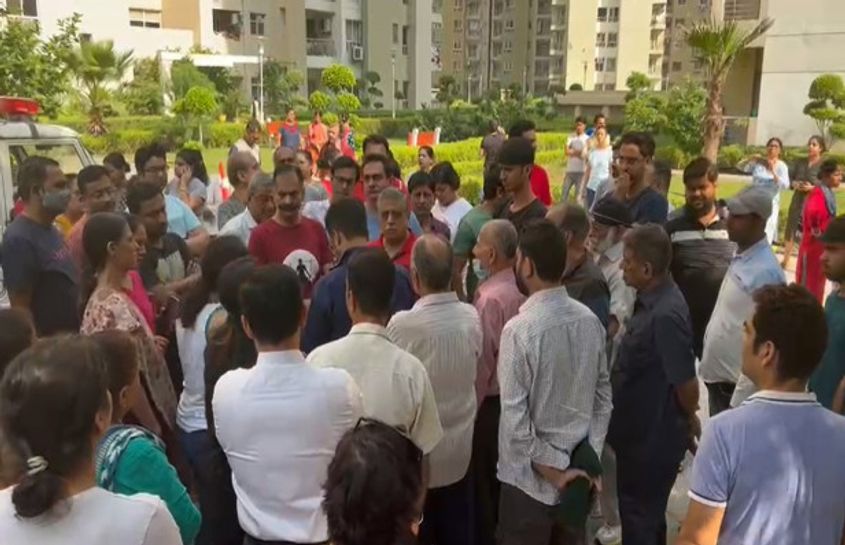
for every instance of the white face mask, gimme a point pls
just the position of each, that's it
(480, 272)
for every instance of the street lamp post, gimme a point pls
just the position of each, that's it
(261, 80)
(393, 82)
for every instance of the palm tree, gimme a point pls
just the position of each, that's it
(716, 45)
(96, 65)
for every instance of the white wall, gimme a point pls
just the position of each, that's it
(808, 40)
(109, 20)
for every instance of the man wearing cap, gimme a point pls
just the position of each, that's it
(831, 371)
(753, 267)
(611, 220)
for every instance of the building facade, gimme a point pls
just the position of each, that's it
(546, 45)
(395, 38)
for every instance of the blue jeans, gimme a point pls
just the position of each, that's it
(591, 196)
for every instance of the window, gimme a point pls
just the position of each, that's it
(680, 21)
(255, 88)
(509, 24)
(601, 39)
(27, 8)
(226, 22)
(602, 15)
(256, 23)
(497, 48)
(600, 64)
(456, 66)
(508, 66)
(436, 33)
(609, 86)
(144, 18)
(613, 15)
(676, 66)
(472, 51)
(610, 64)
(544, 26)
(497, 28)
(355, 31)
(508, 4)
(459, 25)
(457, 45)
(459, 4)
(612, 39)
(283, 15)
(404, 39)
(508, 46)
(396, 33)
(542, 49)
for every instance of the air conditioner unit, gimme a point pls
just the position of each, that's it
(326, 25)
(357, 53)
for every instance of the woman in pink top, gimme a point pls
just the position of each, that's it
(113, 254)
(139, 294)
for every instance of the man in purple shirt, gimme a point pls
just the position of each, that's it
(497, 300)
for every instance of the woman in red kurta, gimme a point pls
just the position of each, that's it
(819, 209)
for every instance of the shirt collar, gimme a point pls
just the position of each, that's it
(407, 247)
(797, 398)
(367, 328)
(435, 299)
(346, 256)
(543, 297)
(249, 221)
(752, 250)
(505, 276)
(280, 357)
(650, 297)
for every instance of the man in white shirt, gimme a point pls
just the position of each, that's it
(394, 384)
(554, 382)
(249, 142)
(279, 422)
(445, 335)
(260, 207)
(576, 152)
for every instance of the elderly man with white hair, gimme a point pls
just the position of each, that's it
(259, 208)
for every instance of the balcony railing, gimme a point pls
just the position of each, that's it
(742, 10)
(320, 47)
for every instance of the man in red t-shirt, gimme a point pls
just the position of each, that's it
(288, 237)
(396, 237)
(539, 177)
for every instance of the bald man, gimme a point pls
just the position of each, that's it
(582, 278)
(497, 300)
(396, 237)
(284, 156)
(445, 334)
(241, 168)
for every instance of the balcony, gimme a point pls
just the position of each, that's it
(658, 21)
(558, 24)
(742, 10)
(556, 48)
(320, 47)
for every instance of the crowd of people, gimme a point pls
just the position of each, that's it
(354, 360)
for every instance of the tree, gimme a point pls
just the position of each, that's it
(646, 112)
(447, 90)
(827, 106)
(144, 94)
(347, 103)
(224, 81)
(576, 87)
(636, 83)
(319, 102)
(185, 76)
(368, 90)
(197, 106)
(338, 78)
(686, 106)
(33, 67)
(717, 45)
(97, 66)
(282, 87)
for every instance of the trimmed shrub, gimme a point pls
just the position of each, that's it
(223, 135)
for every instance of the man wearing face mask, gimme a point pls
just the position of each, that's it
(328, 317)
(38, 269)
(497, 300)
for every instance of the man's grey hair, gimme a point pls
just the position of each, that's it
(392, 195)
(504, 237)
(432, 259)
(260, 183)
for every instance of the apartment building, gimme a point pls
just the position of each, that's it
(394, 38)
(543, 45)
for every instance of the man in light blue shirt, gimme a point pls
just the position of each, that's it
(770, 471)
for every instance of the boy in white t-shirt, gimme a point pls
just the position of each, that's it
(576, 152)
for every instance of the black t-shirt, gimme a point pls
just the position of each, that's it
(36, 260)
(648, 206)
(535, 210)
(165, 263)
(700, 258)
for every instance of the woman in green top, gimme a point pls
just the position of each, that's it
(130, 459)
